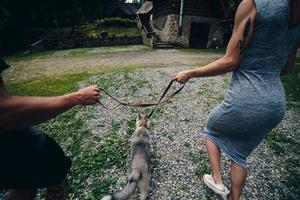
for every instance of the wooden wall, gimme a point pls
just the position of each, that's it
(204, 8)
(162, 8)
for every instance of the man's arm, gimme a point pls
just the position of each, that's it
(241, 36)
(21, 112)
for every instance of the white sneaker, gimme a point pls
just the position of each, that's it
(220, 189)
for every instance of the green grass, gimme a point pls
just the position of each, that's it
(22, 57)
(135, 86)
(77, 52)
(212, 98)
(201, 160)
(105, 50)
(117, 31)
(281, 144)
(209, 51)
(47, 86)
(291, 83)
(288, 149)
(91, 31)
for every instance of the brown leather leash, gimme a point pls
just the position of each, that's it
(163, 98)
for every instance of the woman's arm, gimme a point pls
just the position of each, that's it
(21, 112)
(241, 36)
(290, 62)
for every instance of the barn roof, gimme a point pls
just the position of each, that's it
(146, 7)
(125, 8)
(129, 8)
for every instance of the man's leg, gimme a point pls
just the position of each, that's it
(26, 194)
(37, 162)
(214, 155)
(238, 179)
(58, 191)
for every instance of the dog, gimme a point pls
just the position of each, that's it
(139, 171)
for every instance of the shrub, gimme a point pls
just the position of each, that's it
(115, 22)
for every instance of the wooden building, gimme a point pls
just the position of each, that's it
(186, 23)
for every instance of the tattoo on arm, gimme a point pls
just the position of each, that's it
(241, 43)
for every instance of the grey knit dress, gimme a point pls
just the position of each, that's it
(255, 102)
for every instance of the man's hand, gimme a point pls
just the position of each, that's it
(88, 95)
(182, 77)
(20, 112)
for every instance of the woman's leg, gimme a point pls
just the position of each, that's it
(214, 155)
(238, 179)
(28, 194)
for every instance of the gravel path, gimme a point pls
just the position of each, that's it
(179, 156)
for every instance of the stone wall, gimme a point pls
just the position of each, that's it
(166, 30)
(170, 32)
(159, 24)
(146, 39)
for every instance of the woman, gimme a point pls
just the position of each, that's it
(264, 40)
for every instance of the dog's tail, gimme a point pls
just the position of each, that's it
(130, 187)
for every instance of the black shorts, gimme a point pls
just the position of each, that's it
(31, 159)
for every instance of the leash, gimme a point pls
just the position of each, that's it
(163, 98)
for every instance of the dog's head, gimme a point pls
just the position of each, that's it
(142, 120)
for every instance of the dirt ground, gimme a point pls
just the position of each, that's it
(67, 62)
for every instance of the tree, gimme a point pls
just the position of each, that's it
(17, 18)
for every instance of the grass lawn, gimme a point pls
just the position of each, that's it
(197, 51)
(117, 31)
(91, 31)
(291, 83)
(77, 52)
(69, 129)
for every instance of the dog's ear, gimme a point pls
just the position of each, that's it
(142, 116)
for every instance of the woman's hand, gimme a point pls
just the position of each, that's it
(88, 95)
(182, 77)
